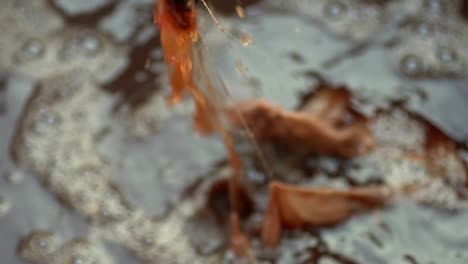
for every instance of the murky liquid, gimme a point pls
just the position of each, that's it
(96, 167)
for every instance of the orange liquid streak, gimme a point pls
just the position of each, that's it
(234, 180)
(178, 43)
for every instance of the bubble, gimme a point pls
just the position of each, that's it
(435, 6)
(32, 49)
(60, 90)
(38, 246)
(157, 54)
(327, 260)
(85, 43)
(45, 124)
(82, 197)
(78, 115)
(4, 206)
(446, 54)
(14, 176)
(106, 212)
(141, 77)
(150, 121)
(156, 67)
(424, 29)
(46, 243)
(148, 241)
(82, 252)
(229, 257)
(256, 177)
(77, 260)
(90, 44)
(335, 9)
(411, 65)
(112, 207)
(51, 118)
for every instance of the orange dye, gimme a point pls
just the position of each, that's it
(234, 180)
(179, 32)
(177, 42)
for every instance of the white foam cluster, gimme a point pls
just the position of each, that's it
(57, 140)
(398, 129)
(44, 247)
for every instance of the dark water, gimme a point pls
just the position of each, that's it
(102, 108)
